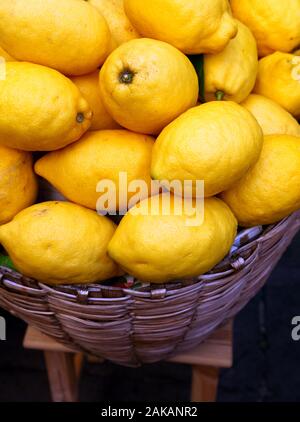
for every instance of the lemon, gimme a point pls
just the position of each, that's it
(77, 169)
(272, 118)
(232, 71)
(279, 79)
(89, 88)
(270, 191)
(18, 186)
(70, 36)
(40, 109)
(216, 142)
(275, 24)
(60, 243)
(120, 27)
(157, 247)
(145, 84)
(194, 26)
(7, 57)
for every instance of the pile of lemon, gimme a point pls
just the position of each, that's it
(104, 87)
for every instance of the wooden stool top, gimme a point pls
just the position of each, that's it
(215, 351)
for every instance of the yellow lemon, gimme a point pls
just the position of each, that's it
(60, 243)
(145, 84)
(216, 142)
(77, 169)
(18, 185)
(7, 57)
(275, 24)
(40, 109)
(270, 191)
(232, 71)
(120, 26)
(70, 36)
(194, 26)
(157, 247)
(89, 87)
(279, 79)
(272, 118)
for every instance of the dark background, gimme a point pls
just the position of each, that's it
(266, 359)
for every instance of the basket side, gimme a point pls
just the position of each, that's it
(135, 327)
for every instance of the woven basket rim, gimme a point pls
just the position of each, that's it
(132, 327)
(154, 291)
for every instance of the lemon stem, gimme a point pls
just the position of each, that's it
(80, 118)
(219, 95)
(126, 77)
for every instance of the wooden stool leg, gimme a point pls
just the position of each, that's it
(204, 383)
(63, 371)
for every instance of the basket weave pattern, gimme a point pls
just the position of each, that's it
(131, 327)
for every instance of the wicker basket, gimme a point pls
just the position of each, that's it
(149, 324)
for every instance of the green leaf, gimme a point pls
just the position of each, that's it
(5, 261)
(198, 63)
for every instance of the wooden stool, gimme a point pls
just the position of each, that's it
(64, 364)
